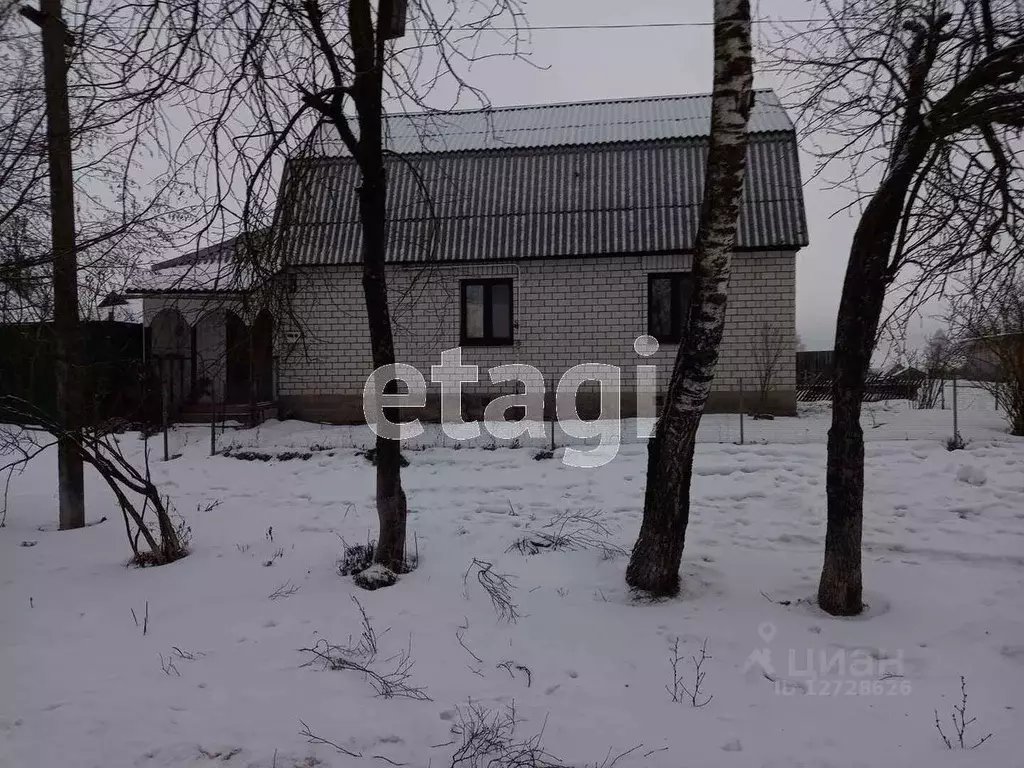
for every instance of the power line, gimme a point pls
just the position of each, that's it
(530, 28)
(641, 25)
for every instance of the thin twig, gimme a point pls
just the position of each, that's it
(312, 738)
(458, 636)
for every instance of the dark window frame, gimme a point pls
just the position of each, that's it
(679, 319)
(488, 339)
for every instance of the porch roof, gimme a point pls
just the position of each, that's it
(214, 269)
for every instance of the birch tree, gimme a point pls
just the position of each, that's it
(921, 102)
(654, 564)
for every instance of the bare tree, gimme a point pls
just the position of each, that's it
(654, 564)
(261, 82)
(293, 82)
(360, 77)
(770, 346)
(991, 338)
(95, 119)
(101, 449)
(937, 362)
(922, 101)
(129, 172)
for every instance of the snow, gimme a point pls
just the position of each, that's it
(969, 473)
(375, 577)
(217, 677)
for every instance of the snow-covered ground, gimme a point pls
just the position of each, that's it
(81, 683)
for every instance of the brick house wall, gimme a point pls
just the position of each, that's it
(567, 312)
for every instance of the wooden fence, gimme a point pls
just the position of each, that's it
(878, 388)
(116, 382)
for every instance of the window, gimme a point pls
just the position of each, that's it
(486, 312)
(668, 305)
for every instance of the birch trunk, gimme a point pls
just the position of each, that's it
(654, 564)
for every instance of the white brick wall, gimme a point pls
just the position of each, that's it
(567, 311)
(192, 308)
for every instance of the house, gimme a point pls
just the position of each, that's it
(997, 356)
(118, 308)
(551, 235)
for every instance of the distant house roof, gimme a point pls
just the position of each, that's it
(906, 372)
(559, 180)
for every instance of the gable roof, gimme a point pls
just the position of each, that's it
(654, 118)
(618, 199)
(547, 181)
(563, 180)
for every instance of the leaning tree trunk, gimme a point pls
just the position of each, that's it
(860, 309)
(654, 564)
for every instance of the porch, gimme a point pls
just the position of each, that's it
(211, 364)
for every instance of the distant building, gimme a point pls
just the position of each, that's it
(119, 308)
(994, 358)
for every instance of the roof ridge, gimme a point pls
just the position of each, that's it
(770, 136)
(550, 105)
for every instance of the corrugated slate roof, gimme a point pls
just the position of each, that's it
(556, 125)
(551, 202)
(609, 177)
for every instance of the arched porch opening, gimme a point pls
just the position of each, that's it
(263, 356)
(237, 368)
(220, 367)
(209, 346)
(170, 344)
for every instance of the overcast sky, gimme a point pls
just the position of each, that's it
(599, 64)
